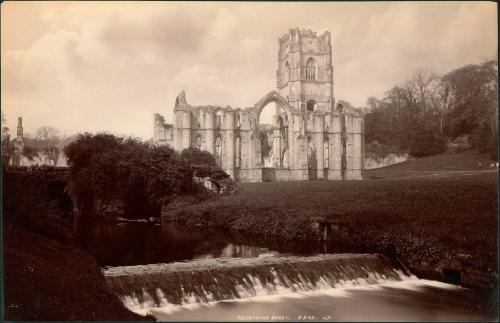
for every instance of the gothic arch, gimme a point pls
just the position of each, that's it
(275, 97)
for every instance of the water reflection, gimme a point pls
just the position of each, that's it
(140, 244)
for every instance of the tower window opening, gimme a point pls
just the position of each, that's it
(310, 105)
(311, 69)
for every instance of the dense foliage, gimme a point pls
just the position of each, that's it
(428, 111)
(194, 156)
(104, 166)
(36, 201)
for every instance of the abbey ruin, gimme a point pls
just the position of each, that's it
(311, 137)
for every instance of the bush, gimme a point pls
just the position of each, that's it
(194, 156)
(480, 138)
(427, 143)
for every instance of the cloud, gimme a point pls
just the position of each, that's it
(110, 65)
(164, 35)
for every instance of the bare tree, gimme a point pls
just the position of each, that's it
(420, 85)
(48, 134)
(441, 102)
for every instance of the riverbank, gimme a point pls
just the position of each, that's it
(46, 280)
(433, 224)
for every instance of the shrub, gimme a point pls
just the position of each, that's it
(426, 143)
(194, 156)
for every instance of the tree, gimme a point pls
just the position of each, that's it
(145, 177)
(29, 152)
(474, 97)
(194, 156)
(48, 134)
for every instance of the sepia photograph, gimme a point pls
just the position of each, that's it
(249, 161)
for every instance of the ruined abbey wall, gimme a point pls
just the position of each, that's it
(312, 138)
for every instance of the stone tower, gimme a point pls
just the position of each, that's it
(305, 71)
(18, 144)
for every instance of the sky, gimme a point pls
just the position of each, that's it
(109, 66)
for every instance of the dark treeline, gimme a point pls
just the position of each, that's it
(145, 177)
(429, 111)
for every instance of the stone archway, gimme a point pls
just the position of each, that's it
(271, 97)
(283, 149)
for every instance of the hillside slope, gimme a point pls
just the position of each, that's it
(441, 164)
(45, 280)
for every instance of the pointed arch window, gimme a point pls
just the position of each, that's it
(287, 71)
(238, 121)
(326, 154)
(311, 69)
(218, 151)
(199, 140)
(238, 152)
(218, 119)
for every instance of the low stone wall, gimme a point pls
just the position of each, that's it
(390, 159)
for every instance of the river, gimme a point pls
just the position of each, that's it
(186, 274)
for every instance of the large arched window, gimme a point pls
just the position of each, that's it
(311, 69)
(238, 152)
(287, 71)
(218, 151)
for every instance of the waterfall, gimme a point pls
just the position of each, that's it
(207, 280)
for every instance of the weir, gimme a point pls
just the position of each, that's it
(208, 280)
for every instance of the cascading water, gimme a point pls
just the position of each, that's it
(208, 280)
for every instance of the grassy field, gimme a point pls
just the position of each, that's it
(435, 220)
(445, 164)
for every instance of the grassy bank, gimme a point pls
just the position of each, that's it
(434, 222)
(45, 280)
(445, 164)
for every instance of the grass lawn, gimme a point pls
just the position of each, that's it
(444, 164)
(434, 219)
